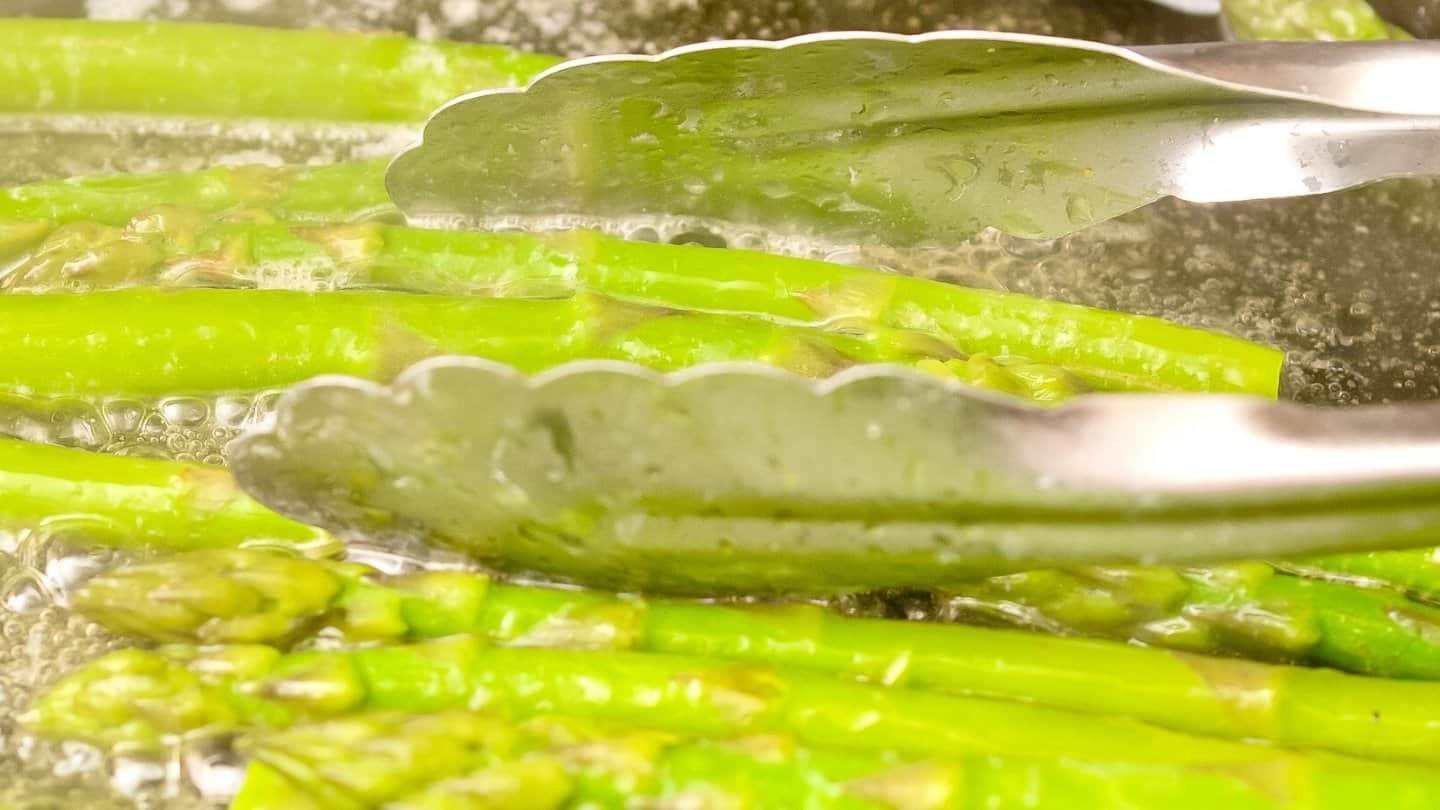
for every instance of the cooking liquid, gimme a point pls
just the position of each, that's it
(1342, 282)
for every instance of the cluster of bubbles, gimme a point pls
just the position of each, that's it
(176, 428)
(40, 640)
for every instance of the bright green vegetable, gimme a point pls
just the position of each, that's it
(467, 760)
(249, 596)
(1246, 609)
(230, 70)
(1105, 350)
(1414, 571)
(380, 758)
(173, 204)
(197, 341)
(1307, 20)
(132, 502)
(139, 698)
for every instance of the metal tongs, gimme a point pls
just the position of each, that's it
(875, 137)
(748, 480)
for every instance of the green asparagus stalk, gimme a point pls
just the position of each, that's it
(258, 597)
(140, 699)
(227, 70)
(1246, 609)
(464, 760)
(203, 341)
(1105, 350)
(1307, 20)
(126, 502)
(379, 758)
(336, 193)
(1415, 572)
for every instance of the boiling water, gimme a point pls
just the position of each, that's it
(1344, 283)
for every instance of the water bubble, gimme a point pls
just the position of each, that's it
(1079, 210)
(960, 172)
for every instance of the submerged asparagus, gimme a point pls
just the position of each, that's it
(456, 760)
(259, 597)
(229, 70)
(203, 341)
(335, 193)
(140, 699)
(1307, 20)
(1246, 609)
(133, 502)
(1415, 572)
(1105, 350)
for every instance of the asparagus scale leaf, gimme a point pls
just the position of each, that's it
(258, 597)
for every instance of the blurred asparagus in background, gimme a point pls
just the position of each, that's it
(1307, 20)
(87, 66)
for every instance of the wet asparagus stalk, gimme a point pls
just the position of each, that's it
(1307, 20)
(123, 502)
(205, 341)
(82, 66)
(140, 699)
(457, 760)
(1104, 350)
(1245, 609)
(379, 758)
(335, 193)
(260, 597)
(1415, 572)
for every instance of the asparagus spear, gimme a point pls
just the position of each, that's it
(229, 70)
(1247, 609)
(339, 192)
(154, 342)
(252, 596)
(1105, 350)
(130, 502)
(1414, 571)
(379, 758)
(382, 759)
(140, 699)
(1307, 19)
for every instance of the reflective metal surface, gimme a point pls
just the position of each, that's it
(867, 137)
(745, 479)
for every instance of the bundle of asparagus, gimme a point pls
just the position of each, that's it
(1037, 348)
(1312, 611)
(343, 687)
(454, 760)
(257, 597)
